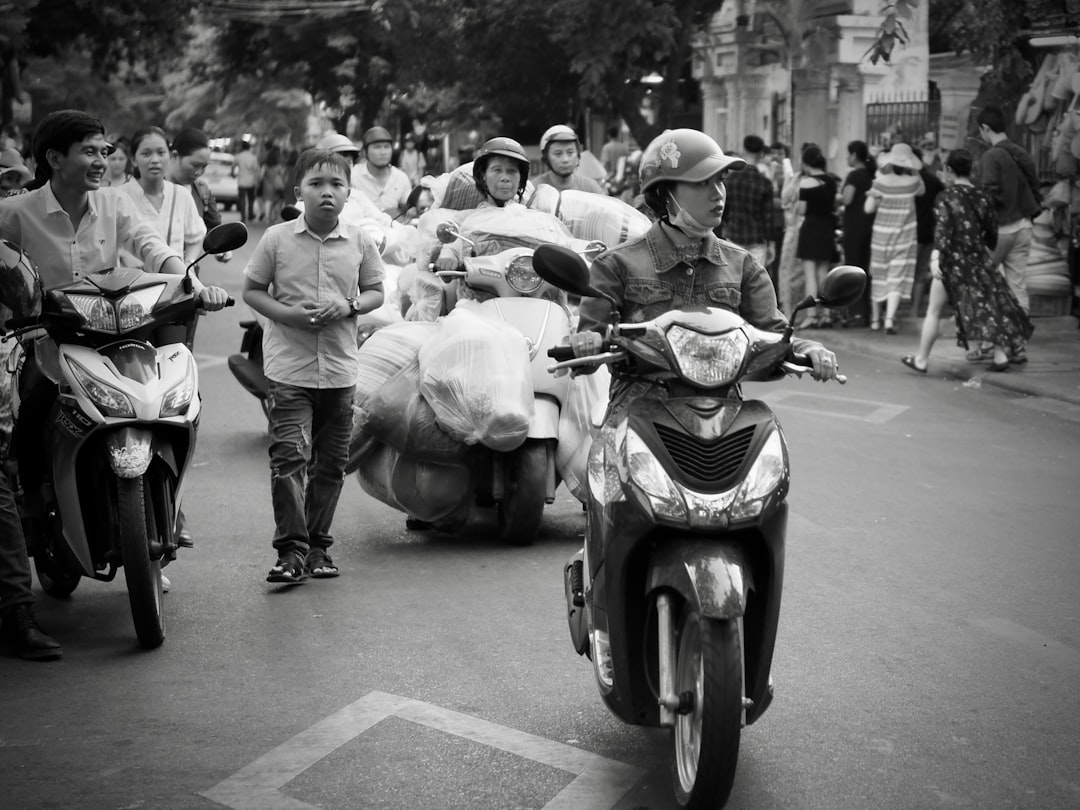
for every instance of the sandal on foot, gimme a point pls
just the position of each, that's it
(909, 361)
(319, 565)
(289, 569)
(875, 326)
(999, 366)
(1018, 358)
(890, 327)
(980, 353)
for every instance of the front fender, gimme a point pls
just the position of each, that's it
(129, 451)
(715, 575)
(544, 423)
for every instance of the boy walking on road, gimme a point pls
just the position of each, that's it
(324, 273)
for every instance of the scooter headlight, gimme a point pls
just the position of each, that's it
(179, 397)
(131, 311)
(708, 360)
(761, 481)
(134, 309)
(521, 276)
(651, 479)
(110, 401)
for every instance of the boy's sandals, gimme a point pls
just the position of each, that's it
(319, 565)
(289, 569)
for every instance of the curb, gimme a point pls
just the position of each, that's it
(1031, 383)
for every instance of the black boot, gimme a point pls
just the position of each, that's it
(20, 633)
(183, 535)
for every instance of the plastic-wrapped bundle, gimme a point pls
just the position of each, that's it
(428, 491)
(387, 352)
(584, 407)
(398, 415)
(594, 216)
(382, 356)
(475, 374)
(495, 229)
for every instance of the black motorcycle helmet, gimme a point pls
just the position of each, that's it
(507, 147)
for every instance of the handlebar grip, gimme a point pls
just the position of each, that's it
(19, 323)
(230, 301)
(561, 353)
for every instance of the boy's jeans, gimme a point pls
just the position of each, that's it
(309, 446)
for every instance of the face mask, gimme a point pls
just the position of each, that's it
(685, 221)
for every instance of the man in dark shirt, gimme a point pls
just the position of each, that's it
(748, 214)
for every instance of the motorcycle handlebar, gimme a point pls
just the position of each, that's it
(12, 324)
(561, 353)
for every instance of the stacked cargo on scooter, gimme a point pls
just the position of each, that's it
(425, 393)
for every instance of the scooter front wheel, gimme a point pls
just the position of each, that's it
(705, 740)
(143, 575)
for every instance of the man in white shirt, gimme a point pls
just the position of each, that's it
(384, 184)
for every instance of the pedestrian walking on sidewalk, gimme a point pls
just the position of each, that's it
(893, 248)
(963, 272)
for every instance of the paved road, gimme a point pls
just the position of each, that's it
(928, 654)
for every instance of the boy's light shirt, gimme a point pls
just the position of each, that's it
(42, 228)
(300, 266)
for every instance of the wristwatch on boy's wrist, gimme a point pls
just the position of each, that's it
(354, 305)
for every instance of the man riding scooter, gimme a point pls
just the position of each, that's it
(71, 228)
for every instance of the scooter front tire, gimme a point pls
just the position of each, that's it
(705, 740)
(143, 575)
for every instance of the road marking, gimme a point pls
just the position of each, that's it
(599, 782)
(860, 410)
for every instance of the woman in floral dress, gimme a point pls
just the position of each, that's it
(964, 273)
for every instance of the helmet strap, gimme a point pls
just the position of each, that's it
(685, 221)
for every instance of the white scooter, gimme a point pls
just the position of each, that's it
(522, 481)
(120, 434)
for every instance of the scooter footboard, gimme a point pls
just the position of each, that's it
(717, 576)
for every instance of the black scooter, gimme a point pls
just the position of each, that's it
(676, 594)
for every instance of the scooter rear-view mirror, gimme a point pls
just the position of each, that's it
(225, 237)
(563, 268)
(842, 286)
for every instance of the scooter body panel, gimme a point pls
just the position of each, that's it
(729, 570)
(84, 444)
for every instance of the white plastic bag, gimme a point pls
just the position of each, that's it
(398, 415)
(474, 372)
(432, 492)
(582, 413)
(595, 216)
(386, 352)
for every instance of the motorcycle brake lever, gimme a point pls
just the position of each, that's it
(799, 370)
(591, 360)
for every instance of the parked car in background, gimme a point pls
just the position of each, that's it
(221, 175)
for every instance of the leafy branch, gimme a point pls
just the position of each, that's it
(891, 30)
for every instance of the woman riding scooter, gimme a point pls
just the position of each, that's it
(501, 173)
(680, 262)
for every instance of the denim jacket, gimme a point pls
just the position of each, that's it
(653, 274)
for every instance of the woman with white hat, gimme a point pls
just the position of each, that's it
(893, 247)
(13, 172)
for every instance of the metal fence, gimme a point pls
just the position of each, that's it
(901, 119)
